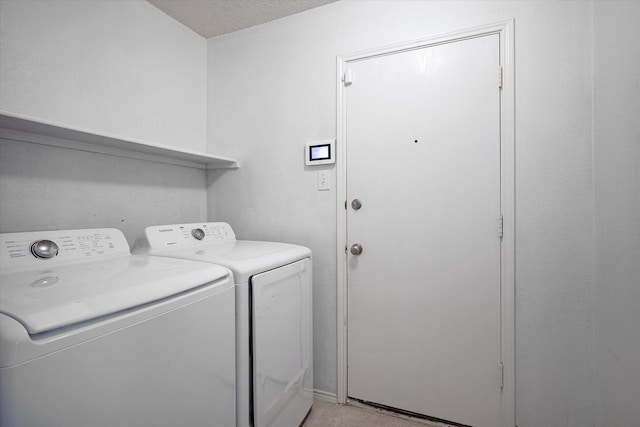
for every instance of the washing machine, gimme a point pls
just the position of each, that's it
(93, 336)
(274, 362)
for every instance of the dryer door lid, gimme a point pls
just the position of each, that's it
(47, 299)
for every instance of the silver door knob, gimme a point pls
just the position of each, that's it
(356, 249)
(356, 204)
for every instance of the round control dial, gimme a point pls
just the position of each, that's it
(197, 233)
(44, 249)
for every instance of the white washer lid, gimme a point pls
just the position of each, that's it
(45, 299)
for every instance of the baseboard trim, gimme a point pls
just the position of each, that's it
(325, 396)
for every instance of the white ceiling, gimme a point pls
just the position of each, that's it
(211, 18)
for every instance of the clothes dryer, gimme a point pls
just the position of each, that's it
(93, 336)
(274, 374)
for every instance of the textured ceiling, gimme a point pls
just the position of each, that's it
(211, 18)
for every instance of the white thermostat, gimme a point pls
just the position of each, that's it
(320, 153)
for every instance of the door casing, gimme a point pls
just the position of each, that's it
(507, 170)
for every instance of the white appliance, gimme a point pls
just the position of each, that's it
(93, 336)
(273, 316)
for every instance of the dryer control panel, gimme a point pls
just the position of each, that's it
(159, 237)
(55, 247)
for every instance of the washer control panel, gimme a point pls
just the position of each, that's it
(160, 237)
(53, 247)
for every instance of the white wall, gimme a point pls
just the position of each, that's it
(272, 88)
(120, 67)
(617, 212)
(117, 67)
(49, 188)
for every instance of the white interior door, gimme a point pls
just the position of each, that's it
(423, 157)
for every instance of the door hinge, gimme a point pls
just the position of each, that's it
(500, 76)
(347, 77)
(501, 374)
(501, 226)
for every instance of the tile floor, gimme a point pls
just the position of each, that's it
(324, 414)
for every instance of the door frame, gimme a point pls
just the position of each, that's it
(505, 30)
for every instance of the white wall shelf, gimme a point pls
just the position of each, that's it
(26, 129)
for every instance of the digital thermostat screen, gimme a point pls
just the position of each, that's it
(320, 152)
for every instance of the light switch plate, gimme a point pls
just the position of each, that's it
(323, 181)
